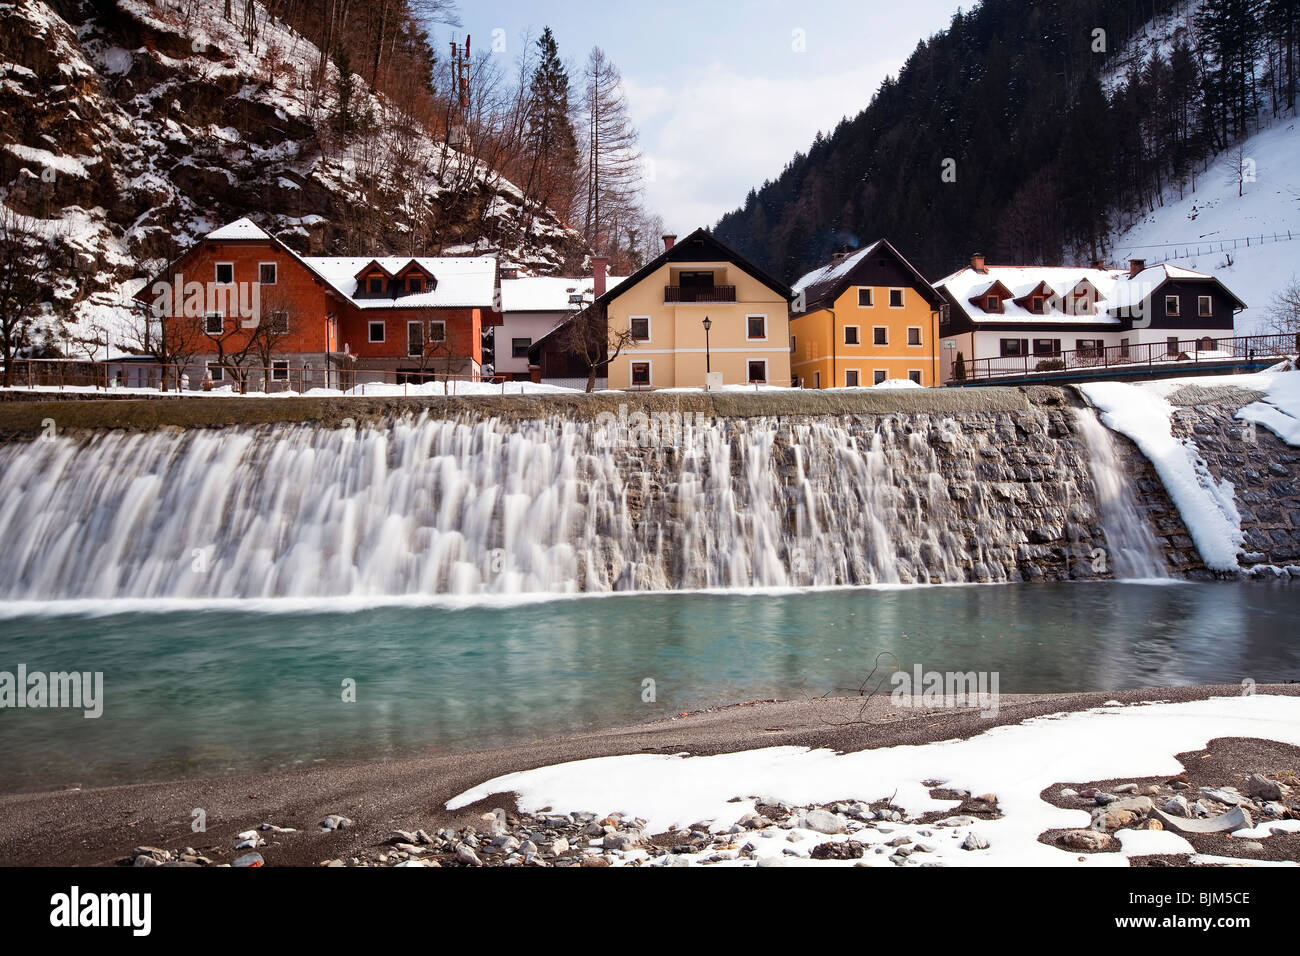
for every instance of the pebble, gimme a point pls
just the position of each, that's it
(335, 822)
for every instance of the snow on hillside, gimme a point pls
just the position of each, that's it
(1208, 229)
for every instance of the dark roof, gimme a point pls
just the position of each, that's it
(700, 246)
(822, 287)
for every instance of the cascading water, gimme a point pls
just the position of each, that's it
(426, 506)
(1133, 546)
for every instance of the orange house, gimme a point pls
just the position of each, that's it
(864, 318)
(250, 309)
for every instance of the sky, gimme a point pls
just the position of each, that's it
(723, 93)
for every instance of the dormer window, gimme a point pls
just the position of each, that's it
(375, 285)
(993, 304)
(1036, 305)
(415, 284)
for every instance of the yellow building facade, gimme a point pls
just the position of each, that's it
(665, 305)
(864, 318)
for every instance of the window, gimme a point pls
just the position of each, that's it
(993, 304)
(1171, 305)
(1206, 344)
(376, 331)
(415, 284)
(1088, 347)
(1204, 306)
(878, 376)
(437, 331)
(519, 347)
(414, 338)
(1123, 348)
(817, 379)
(880, 335)
(376, 286)
(225, 273)
(1047, 346)
(1171, 345)
(794, 344)
(864, 298)
(895, 298)
(914, 375)
(1036, 305)
(913, 335)
(278, 322)
(214, 371)
(640, 374)
(640, 327)
(755, 327)
(757, 370)
(214, 323)
(266, 273)
(279, 371)
(850, 335)
(850, 378)
(1011, 347)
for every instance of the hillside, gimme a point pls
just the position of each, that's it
(1032, 132)
(1208, 229)
(130, 130)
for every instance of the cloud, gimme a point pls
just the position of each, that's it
(710, 140)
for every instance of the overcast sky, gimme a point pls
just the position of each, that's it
(719, 90)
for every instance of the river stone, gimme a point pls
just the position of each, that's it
(974, 841)
(1087, 840)
(1265, 789)
(824, 822)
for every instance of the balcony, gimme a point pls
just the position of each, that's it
(712, 293)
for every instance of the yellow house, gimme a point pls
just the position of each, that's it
(864, 318)
(699, 307)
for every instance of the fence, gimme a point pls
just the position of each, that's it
(1210, 247)
(1189, 352)
(138, 377)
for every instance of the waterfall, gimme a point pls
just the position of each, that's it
(425, 506)
(1133, 547)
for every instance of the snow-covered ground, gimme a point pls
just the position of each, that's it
(1206, 230)
(1015, 762)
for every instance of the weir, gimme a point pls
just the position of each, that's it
(638, 496)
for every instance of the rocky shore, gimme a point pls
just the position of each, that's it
(1237, 798)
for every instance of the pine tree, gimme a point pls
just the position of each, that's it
(549, 138)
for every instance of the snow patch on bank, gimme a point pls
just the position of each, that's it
(1279, 410)
(1016, 762)
(1208, 507)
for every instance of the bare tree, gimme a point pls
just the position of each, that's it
(26, 257)
(170, 340)
(1284, 310)
(612, 157)
(589, 337)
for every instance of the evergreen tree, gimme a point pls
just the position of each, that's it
(550, 139)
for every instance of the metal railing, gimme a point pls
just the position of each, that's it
(712, 293)
(1189, 352)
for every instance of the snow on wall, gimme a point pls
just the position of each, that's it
(1208, 507)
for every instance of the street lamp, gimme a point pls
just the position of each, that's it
(707, 325)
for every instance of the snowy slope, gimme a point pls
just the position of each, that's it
(1207, 229)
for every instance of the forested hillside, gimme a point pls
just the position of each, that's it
(1029, 131)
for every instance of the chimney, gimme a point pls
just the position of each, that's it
(1135, 266)
(669, 239)
(599, 264)
(977, 263)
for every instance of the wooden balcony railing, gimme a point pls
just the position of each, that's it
(715, 293)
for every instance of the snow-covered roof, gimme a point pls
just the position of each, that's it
(461, 282)
(833, 271)
(547, 293)
(1116, 290)
(239, 229)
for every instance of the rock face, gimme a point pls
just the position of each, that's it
(142, 125)
(1263, 469)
